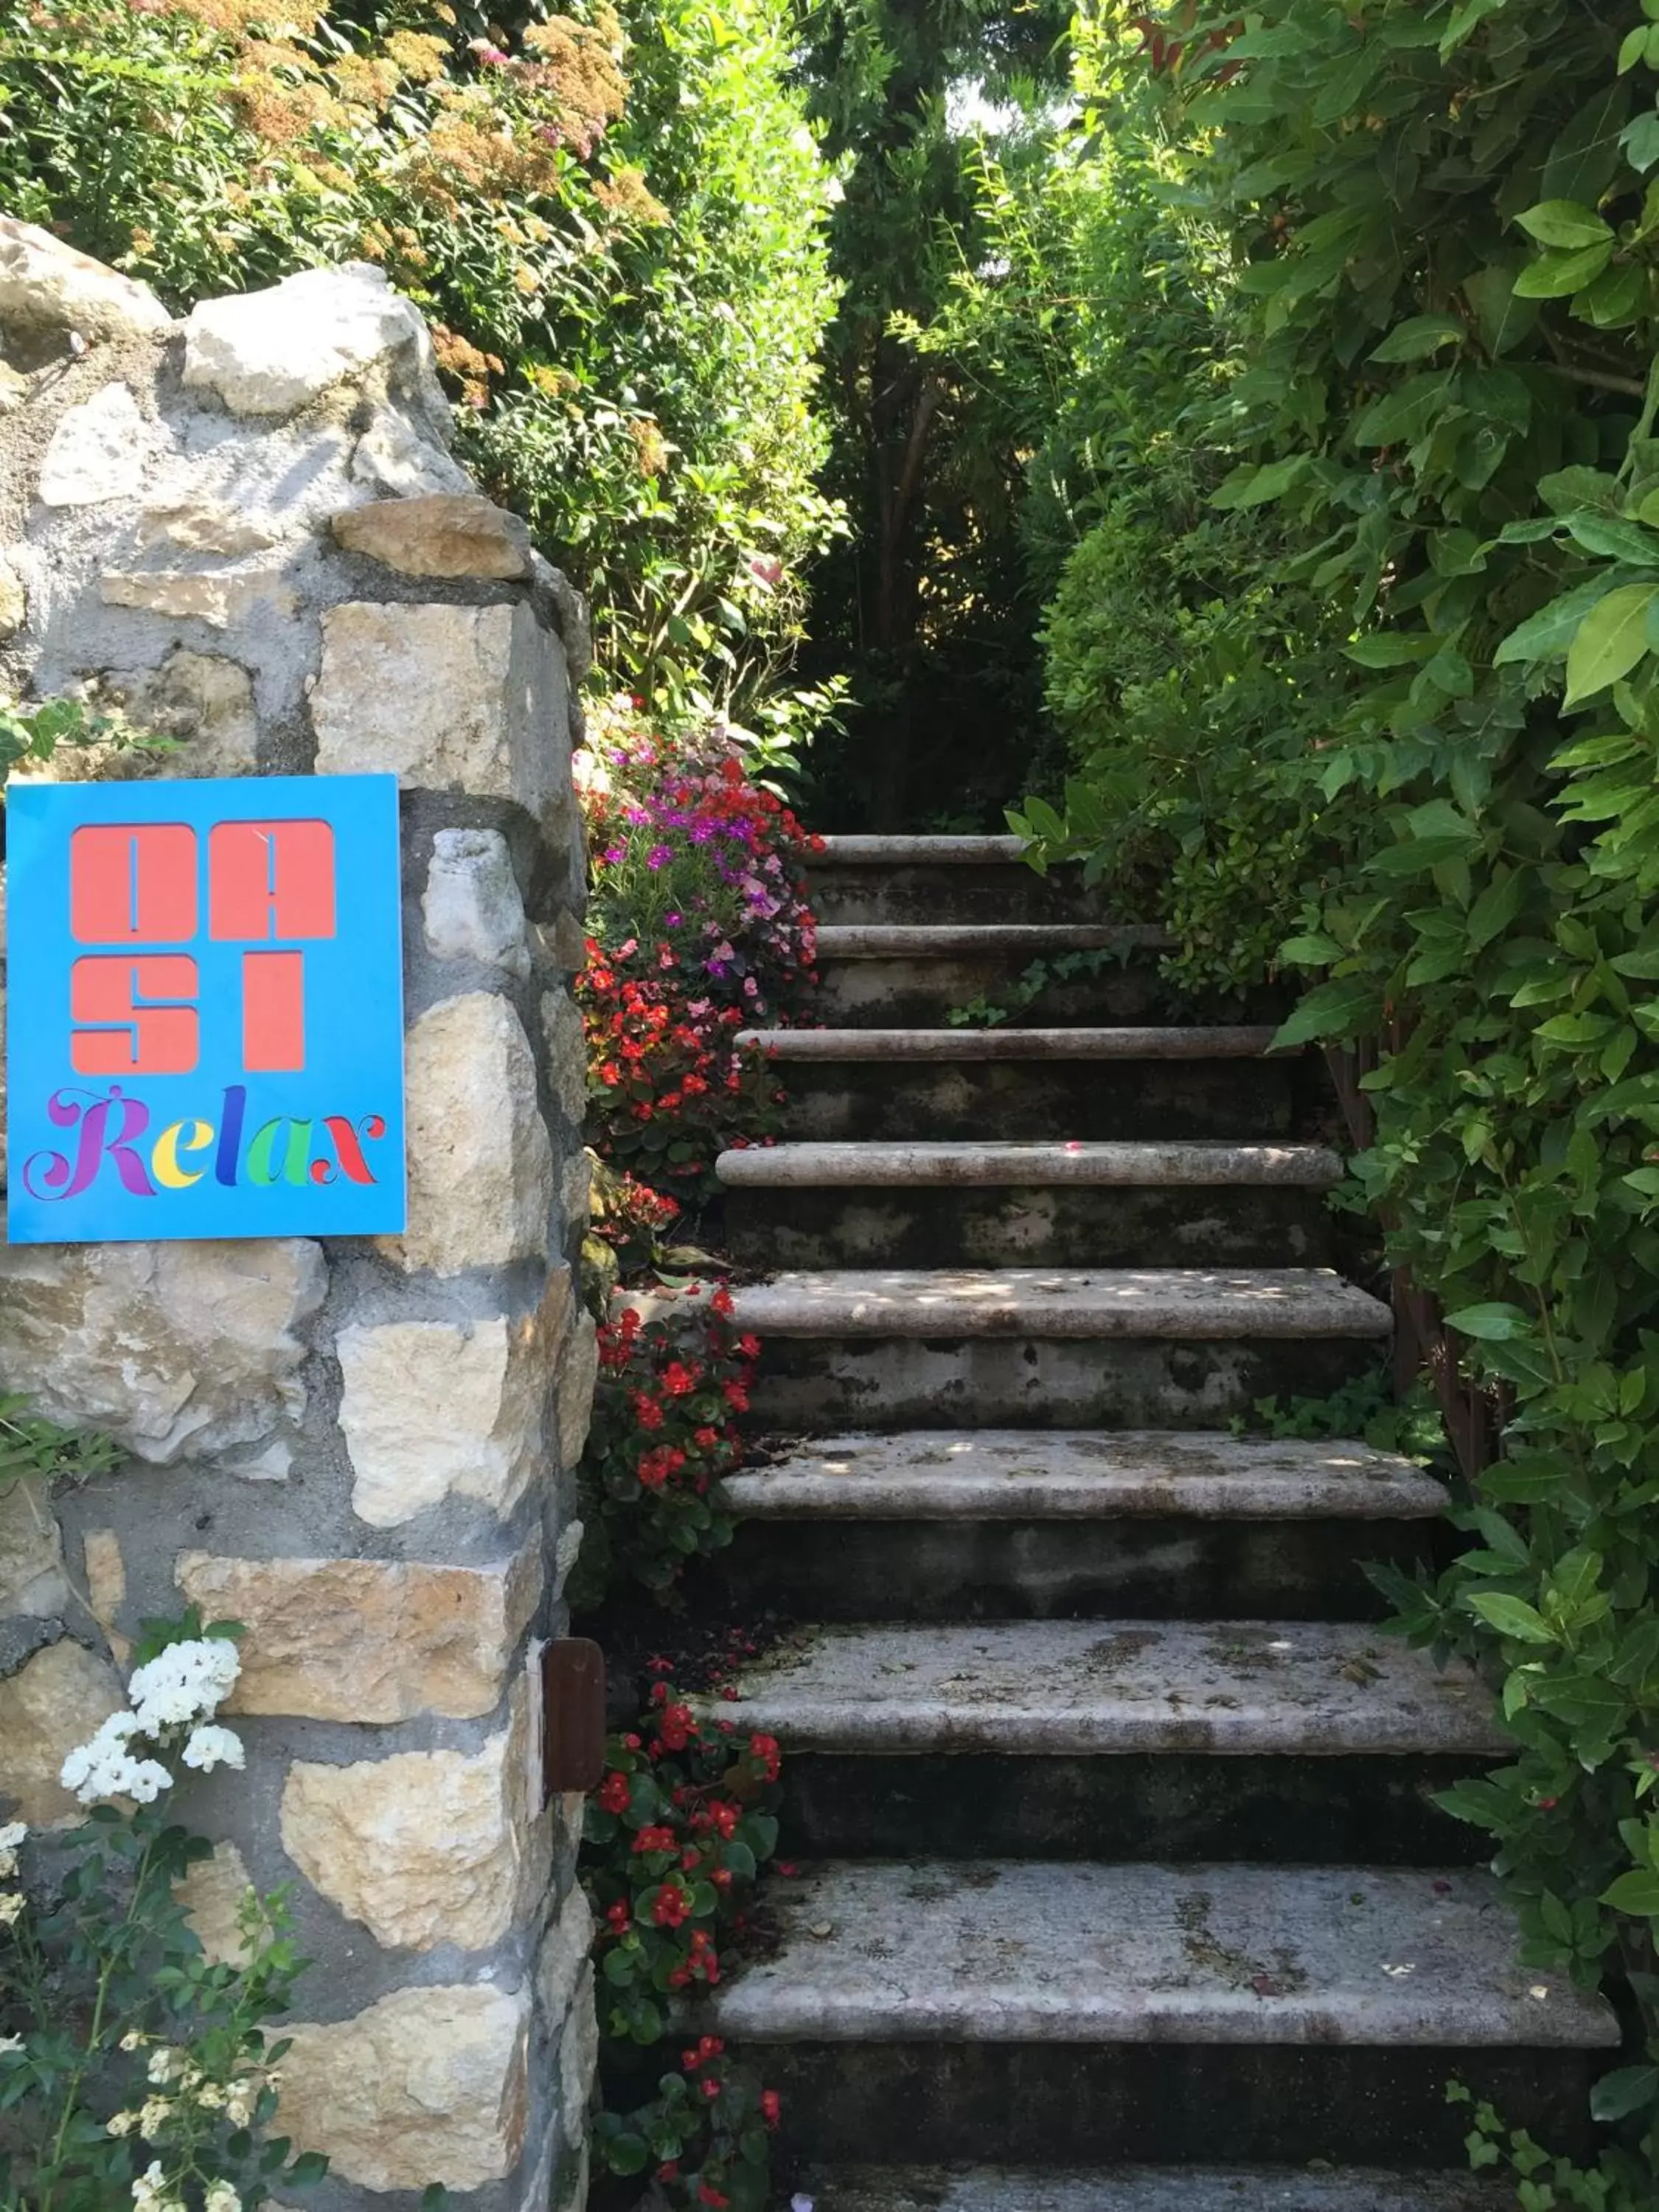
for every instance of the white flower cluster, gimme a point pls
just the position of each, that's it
(180, 1689)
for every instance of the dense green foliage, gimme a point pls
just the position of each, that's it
(1356, 657)
(925, 603)
(616, 228)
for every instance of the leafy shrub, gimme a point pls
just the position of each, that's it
(665, 1430)
(674, 1838)
(613, 221)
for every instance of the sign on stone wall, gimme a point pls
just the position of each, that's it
(204, 1031)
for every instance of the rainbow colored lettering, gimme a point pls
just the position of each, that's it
(204, 1023)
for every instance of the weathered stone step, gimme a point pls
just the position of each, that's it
(1109, 1205)
(1193, 1040)
(1185, 1165)
(1089, 1688)
(942, 879)
(1020, 941)
(1147, 2188)
(1001, 1525)
(1013, 1475)
(1009, 1096)
(1175, 1303)
(936, 850)
(1030, 1951)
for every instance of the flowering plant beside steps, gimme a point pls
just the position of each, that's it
(699, 931)
(676, 1835)
(132, 2068)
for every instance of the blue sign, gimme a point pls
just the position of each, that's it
(204, 1028)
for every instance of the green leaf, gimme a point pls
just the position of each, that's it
(626, 2154)
(1615, 539)
(1421, 335)
(1565, 223)
(1489, 1323)
(1637, 1892)
(1625, 2090)
(1346, 1007)
(1511, 1616)
(1609, 641)
(1556, 275)
(1385, 648)
(1546, 635)
(1253, 486)
(1400, 416)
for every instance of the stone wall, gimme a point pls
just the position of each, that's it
(247, 529)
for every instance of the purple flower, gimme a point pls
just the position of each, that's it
(671, 921)
(659, 856)
(615, 855)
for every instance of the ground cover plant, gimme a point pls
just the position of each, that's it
(699, 929)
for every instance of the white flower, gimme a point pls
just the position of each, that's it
(134, 2039)
(145, 1781)
(186, 1682)
(240, 2101)
(8, 2044)
(121, 2124)
(211, 1745)
(10, 1837)
(11, 1906)
(166, 2065)
(221, 2197)
(154, 2116)
(212, 2096)
(149, 2191)
(105, 1767)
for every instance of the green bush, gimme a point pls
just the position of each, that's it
(616, 228)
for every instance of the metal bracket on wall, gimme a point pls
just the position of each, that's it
(573, 1716)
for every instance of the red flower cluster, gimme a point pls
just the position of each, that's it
(674, 1838)
(665, 1430)
(700, 931)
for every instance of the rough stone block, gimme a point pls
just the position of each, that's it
(579, 2058)
(563, 1956)
(437, 534)
(54, 1702)
(105, 1572)
(196, 524)
(453, 699)
(427, 2085)
(270, 352)
(32, 1577)
(14, 600)
(567, 1052)
(370, 1640)
(166, 1347)
(480, 1162)
(213, 1895)
(204, 701)
(579, 1370)
(97, 452)
(393, 459)
(434, 1408)
(472, 908)
(223, 602)
(46, 286)
(424, 1848)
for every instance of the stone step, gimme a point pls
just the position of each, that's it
(1175, 1164)
(1016, 941)
(1193, 1040)
(1091, 1689)
(1147, 2188)
(1012, 1475)
(1051, 1348)
(1007, 1096)
(1010, 1524)
(1187, 1305)
(1081, 1204)
(1032, 1951)
(941, 879)
(935, 850)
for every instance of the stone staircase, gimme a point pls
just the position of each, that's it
(1123, 1890)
